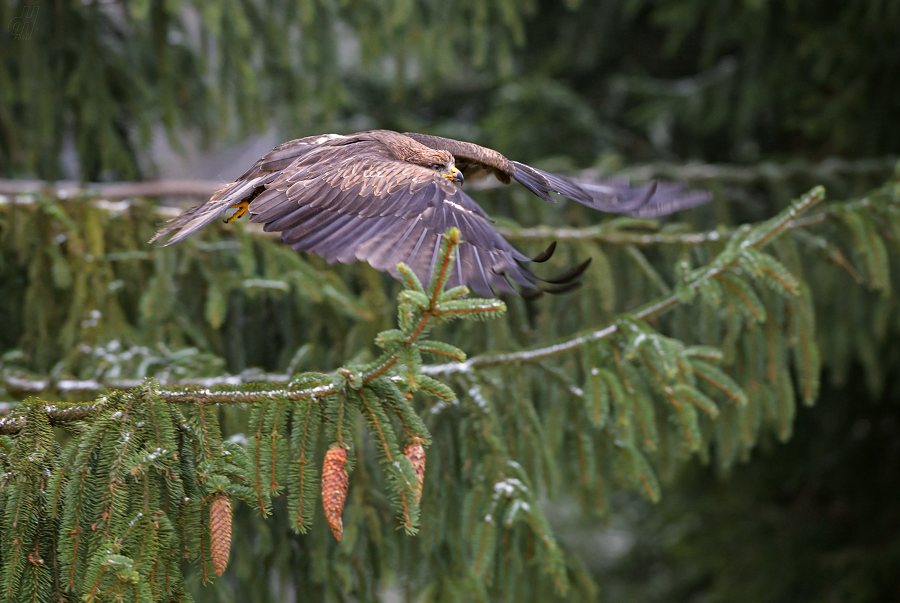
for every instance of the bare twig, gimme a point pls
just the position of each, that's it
(69, 189)
(767, 171)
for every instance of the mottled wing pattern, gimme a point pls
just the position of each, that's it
(613, 196)
(348, 200)
(367, 205)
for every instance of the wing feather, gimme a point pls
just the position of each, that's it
(344, 250)
(613, 196)
(331, 228)
(481, 285)
(338, 237)
(399, 247)
(294, 235)
(421, 257)
(292, 216)
(411, 258)
(267, 200)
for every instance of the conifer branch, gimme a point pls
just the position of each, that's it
(611, 234)
(231, 389)
(757, 237)
(324, 386)
(146, 461)
(225, 390)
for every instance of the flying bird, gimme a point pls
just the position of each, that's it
(385, 198)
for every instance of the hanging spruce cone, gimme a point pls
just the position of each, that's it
(220, 532)
(334, 488)
(416, 455)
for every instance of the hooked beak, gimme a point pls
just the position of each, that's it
(455, 175)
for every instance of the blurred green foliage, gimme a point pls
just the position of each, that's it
(94, 305)
(570, 84)
(729, 81)
(812, 520)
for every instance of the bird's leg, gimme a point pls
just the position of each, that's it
(241, 210)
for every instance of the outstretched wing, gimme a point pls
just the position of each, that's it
(613, 196)
(356, 201)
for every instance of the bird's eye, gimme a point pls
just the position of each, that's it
(436, 166)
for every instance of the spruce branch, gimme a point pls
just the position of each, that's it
(139, 486)
(234, 388)
(755, 238)
(123, 496)
(439, 306)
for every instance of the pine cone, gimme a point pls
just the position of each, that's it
(416, 455)
(334, 488)
(220, 532)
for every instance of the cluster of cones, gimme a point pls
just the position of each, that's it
(335, 483)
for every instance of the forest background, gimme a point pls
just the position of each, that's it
(756, 101)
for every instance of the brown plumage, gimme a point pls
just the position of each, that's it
(385, 198)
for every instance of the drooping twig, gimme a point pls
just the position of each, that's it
(223, 391)
(776, 227)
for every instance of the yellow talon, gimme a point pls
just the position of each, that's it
(241, 208)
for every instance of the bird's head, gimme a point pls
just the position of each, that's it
(443, 163)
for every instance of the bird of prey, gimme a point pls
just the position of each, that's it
(385, 198)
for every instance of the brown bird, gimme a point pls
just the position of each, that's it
(385, 198)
